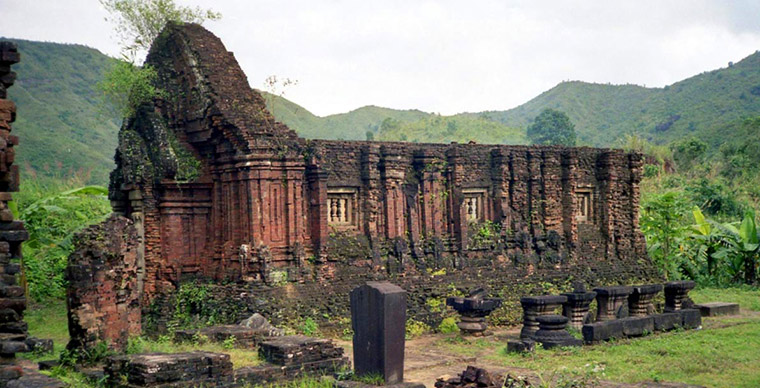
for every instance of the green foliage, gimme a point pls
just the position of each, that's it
(53, 211)
(552, 127)
(126, 87)
(309, 327)
(195, 306)
(415, 328)
(448, 325)
(138, 22)
(688, 152)
(445, 129)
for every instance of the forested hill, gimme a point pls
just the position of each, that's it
(702, 105)
(62, 124)
(61, 121)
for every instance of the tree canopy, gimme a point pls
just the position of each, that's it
(552, 127)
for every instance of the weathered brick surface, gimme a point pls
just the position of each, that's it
(13, 334)
(102, 296)
(257, 209)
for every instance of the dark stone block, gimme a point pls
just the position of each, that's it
(32, 379)
(378, 317)
(48, 364)
(521, 346)
(39, 345)
(691, 318)
(666, 321)
(714, 309)
(298, 349)
(602, 331)
(12, 347)
(637, 326)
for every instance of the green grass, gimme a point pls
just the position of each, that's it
(715, 356)
(747, 297)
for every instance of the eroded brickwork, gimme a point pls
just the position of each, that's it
(218, 189)
(102, 294)
(13, 330)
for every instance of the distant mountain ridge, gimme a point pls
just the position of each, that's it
(60, 120)
(62, 125)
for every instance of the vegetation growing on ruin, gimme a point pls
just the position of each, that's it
(53, 209)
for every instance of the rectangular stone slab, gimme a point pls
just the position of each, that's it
(378, 317)
(714, 309)
(602, 331)
(666, 321)
(637, 326)
(691, 318)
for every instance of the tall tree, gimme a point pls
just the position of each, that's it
(552, 127)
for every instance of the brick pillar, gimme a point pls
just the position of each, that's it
(457, 213)
(500, 176)
(12, 233)
(552, 189)
(431, 190)
(317, 199)
(569, 202)
(392, 174)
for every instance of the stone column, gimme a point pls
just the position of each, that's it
(378, 317)
(535, 306)
(609, 300)
(552, 332)
(640, 300)
(576, 307)
(676, 293)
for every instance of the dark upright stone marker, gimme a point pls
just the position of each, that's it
(378, 317)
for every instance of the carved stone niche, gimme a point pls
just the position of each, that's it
(584, 200)
(342, 207)
(474, 204)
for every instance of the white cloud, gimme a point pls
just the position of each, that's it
(440, 56)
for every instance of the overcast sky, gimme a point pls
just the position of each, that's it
(439, 56)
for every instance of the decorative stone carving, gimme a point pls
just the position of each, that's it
(473, 311)
(609, 300)
(640, 300)
(576, 308)
(676, 293)
(536, 306)
(552, 332)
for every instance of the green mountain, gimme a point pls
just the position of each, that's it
(702, 106)
(63, 127)
(347, 126)
(60, 123)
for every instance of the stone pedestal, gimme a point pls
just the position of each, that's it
(609, 300)
(473, 311)
(676, 293)
(577, 306)
(552, 332)
(640, 300)
(378, 317)
(536, 306)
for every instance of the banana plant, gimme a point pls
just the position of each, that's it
(747, 244)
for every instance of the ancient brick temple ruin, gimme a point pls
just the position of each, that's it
(217, 189)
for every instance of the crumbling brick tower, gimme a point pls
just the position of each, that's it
(12, 233)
